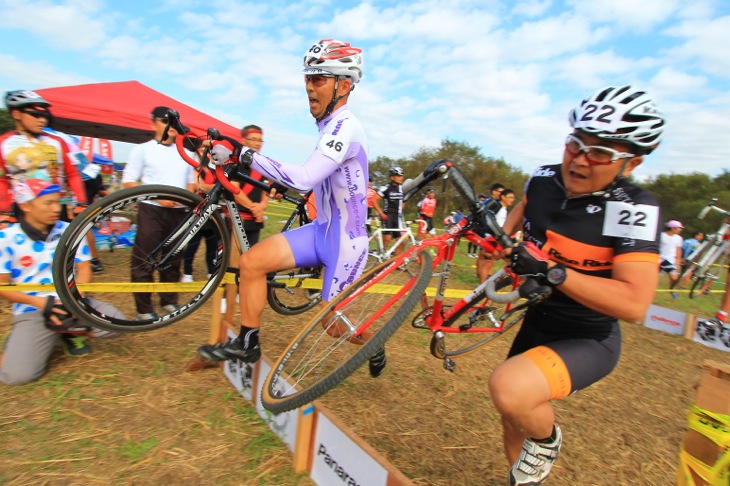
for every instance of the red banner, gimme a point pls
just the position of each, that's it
(105, 148)
(86, 145)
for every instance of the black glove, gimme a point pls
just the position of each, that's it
(67, 324)
(528, 260)
(278, 188)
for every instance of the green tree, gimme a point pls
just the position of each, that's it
(6, 121)
(682, 196)
(481, 171)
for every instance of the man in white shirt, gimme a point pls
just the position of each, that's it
(670, 251)
(156, 162)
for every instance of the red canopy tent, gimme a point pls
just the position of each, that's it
(120, 111)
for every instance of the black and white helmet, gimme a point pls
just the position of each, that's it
(20, 98)
(395, 171)
(621, 114)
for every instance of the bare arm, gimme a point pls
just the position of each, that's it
(626, 295)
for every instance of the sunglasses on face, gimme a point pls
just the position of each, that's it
(595, 154)
(317, 80)
(37, 113)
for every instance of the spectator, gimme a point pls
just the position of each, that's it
(252, 203)
(373, 206)
(26, 256)
(156, 162)
(485, 261)
(427, 209)
(599, 269)
(29, 152)
(670, 252)
(392, 214)
(691, 244)
(206, 232)
(93, 184)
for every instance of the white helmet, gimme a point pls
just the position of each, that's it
(330, 56)
(20, 98)
(622, 114)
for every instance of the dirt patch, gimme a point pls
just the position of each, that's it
(131, 414)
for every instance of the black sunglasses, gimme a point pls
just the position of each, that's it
(37, 113)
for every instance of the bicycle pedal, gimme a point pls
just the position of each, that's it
(449, 364)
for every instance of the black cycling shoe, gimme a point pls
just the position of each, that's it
(377, 363)
(96, 265)
(231, 349)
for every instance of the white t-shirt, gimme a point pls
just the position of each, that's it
(668, 247)
(30, 262)
(154, 163)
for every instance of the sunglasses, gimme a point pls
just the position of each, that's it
(595, 154)
(317, 80)
(37, 113)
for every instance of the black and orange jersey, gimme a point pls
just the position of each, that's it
(580, 232)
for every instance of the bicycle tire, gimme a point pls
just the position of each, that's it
(113, 285)
(286, 292)
(316, 361)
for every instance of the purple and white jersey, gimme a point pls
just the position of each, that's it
(337, 171)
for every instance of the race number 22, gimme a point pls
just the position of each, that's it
(635, 221)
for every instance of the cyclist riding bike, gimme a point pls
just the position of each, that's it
(593, 237)
(337, 172)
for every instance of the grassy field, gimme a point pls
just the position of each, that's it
(132, 414)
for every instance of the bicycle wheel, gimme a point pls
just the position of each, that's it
(114, 284)
(353, 327)
(292, 292)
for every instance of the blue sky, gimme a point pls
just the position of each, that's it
(500, 75)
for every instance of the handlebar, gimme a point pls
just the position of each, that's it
(530, 289)
(221, 174)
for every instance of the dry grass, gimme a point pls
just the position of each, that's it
(132, 414)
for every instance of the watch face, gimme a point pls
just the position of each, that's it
(556, 275)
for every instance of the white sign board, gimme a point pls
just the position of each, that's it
(338, 460)
(667, 320)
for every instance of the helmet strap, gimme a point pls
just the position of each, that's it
(335, 99)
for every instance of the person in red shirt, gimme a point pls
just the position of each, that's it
(372, 198)
(29, 152)
(426, 210)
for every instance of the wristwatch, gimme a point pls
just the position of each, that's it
(556, 275)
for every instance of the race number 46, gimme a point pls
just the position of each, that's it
(635, 221)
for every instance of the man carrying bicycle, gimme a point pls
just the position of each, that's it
(593, 237)
(337, 171)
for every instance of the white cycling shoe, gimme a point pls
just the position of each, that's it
(535, 461)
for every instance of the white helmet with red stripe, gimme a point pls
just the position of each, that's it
(330, 56)
(622, 114)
